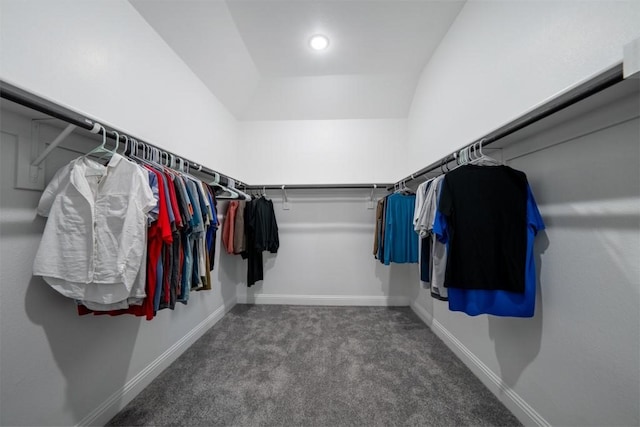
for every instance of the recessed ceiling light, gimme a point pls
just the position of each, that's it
(319, 42)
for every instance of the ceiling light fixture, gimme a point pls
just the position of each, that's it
(319, 42)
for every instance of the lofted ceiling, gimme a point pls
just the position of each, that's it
(254, 55)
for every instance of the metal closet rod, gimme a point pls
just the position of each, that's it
(37, 103)
(597, 84)
(317, 186)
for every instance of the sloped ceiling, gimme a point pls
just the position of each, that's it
(254, 54)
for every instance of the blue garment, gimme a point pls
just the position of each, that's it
(197, 221)
(159, 281)
(212, 203)
(400, 240)
(198, 229)
(153, 183)
(211, 230)
(195, 229)
(499, 302)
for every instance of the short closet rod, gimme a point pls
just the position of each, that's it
(317, 186)
(37, 103)
(594, 85)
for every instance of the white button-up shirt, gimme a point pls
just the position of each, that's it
(94, 240)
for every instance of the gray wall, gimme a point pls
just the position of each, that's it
(57, 368)
(577, 361)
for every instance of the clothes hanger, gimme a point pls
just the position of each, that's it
(445, 161)
(231, 193)
(126, 144)
(244, 195)
(225, 192)
(485, 160)
(101, 149)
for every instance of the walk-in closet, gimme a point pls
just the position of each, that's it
(319, 213)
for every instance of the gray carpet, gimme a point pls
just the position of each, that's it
(265, 365)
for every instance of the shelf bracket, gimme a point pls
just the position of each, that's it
(61, 137)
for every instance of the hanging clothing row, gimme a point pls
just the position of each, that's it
(433, 254)
(477, 225)
(250, 228)
(394, 239)
(129, 237)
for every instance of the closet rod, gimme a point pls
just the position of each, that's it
(317, 186)
(37, 103)
(594, 85)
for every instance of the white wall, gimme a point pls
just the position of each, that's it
(577, 361)
(323, 151)
(326, 254)
(501, 58)
(101, 58)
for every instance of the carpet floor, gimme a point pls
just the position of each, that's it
(269, 365)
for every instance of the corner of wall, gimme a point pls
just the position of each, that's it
(516, 404)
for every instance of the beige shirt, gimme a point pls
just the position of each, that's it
(239, 239)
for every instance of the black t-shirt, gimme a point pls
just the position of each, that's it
(486, 211)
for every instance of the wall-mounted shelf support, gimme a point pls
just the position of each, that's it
(61, 137)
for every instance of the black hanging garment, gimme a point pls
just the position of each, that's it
(486, 208)
(261, 230)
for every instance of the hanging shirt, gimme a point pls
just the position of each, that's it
(93, 242)
(421, 194)
(378, 227)
(261, 230)
(159, 235)
(381, 235)
(173, 199)
(425, 241)
(239, 240)
(265, 226)
(437, 253)
(486, 212)
(211, 231)
(423, 223)
(152, 215)
(400, 241)
(500, 302)
(198, 233)
(228, 227)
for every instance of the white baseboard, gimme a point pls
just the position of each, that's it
(118, 400)
(512, 400)
(323, 300)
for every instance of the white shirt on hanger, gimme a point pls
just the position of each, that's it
(93, 244)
